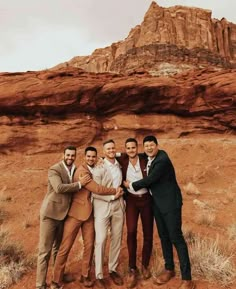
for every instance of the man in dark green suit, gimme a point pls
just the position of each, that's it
(167, 208)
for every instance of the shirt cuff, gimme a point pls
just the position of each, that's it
(113, 197)
(79, 185)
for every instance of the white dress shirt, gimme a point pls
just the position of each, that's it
(134, 173)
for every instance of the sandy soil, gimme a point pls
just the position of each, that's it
(209, 162)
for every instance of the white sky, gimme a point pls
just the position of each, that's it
(38, 34)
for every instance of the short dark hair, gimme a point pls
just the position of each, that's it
(108, 141)
(70, 147)
(150, 138)
(93, 149)
(131, 139)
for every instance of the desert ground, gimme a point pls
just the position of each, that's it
(205, 165)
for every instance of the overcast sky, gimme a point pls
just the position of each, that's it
(38, 34)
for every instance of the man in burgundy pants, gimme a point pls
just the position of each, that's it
(137, 204)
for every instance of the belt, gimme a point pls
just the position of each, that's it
(139, 195)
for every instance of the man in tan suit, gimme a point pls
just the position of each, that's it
(108, 213)
(80, 216)
(54, 209)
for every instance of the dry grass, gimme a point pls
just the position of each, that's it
(205, 217)
(191, 189)
(212, 260)
(3, 195)
(200, 204)
(232, 232)
(157, 263)
(13, 262)
(3, 215)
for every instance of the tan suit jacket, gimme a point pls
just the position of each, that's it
(81, 206)
(57, 200)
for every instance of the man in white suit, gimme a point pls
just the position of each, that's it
(108, 212)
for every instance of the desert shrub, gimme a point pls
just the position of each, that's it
(13, 262)
(212, 261)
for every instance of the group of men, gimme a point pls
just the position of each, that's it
(91, 199)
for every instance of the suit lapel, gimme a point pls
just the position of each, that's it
(64, 173)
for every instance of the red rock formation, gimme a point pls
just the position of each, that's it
(38, 108)
(167, 36)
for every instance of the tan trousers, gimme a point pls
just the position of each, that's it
(50, 236)
(71, 229)
(114, 220)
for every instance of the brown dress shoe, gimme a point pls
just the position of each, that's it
(187, 284)
(164, 277)
(132, 278)
(116, 278)
(146, 273)
(87, 282)
(55, 285)
(100, 283)
(68, 278)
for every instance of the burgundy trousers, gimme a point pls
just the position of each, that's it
(139, 206)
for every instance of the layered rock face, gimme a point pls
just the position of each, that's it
(166, 38)
(44, 110)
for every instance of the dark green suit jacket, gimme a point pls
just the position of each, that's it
(161, 181)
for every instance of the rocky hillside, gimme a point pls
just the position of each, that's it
(84, 107)
(168, 41)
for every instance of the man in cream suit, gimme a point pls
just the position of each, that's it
(80, 216)
(108, 213)
(54, 209)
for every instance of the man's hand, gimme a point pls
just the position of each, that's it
(126, 184)
(100, 162)
(84, 179)
(119, 193)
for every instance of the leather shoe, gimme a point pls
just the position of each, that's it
(164, 277)
(100, 283)
(146, 273)
(116, 278)
(132, 278)
(187, 284)
(68, 278)
(87, 282)
(55, 285)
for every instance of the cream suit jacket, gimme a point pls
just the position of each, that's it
(57, 200)
(102, 204)
(81, 206)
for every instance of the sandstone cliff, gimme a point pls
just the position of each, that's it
(168, 41)
(46, 109)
